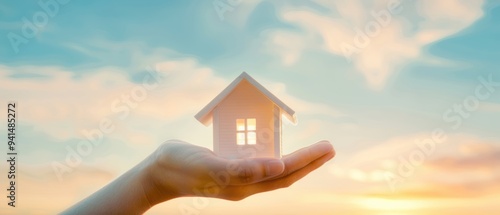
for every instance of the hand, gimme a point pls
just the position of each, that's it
(182, 169)
(178, 169)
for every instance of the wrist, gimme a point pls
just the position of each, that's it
(132, 189)
(155, 183)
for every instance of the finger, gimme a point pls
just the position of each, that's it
(244, 171)
(248, 171)
(304, 156)
(241, 192)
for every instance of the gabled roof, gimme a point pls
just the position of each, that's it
(205, 115)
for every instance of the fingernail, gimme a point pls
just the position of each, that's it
(274, 168)
(323, 147)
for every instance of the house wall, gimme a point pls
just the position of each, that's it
(277, 131)
(215, 123)
(245, 102)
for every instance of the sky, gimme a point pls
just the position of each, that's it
(408, 92)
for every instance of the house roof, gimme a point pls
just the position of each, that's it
(205, 115)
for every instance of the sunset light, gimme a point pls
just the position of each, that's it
(250, 107)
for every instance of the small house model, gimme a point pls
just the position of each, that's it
(246, 120)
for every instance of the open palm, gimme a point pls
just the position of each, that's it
(189, 170)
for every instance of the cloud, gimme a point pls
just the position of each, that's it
(468, 189)
(386, 153)
(460, 167)
(134, 55)
(60, 102)
(377, 41)
(472, 172)
(474, 156)
(467, 168)
(288, 46)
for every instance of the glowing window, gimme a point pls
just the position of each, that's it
(240, 138)
(240, 124)
(251, 124)
(246, 131)
(251, 138)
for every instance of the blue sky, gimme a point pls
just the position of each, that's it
(373, 106)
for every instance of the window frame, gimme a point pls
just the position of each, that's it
(247, 127)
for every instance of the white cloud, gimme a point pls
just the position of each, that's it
(391, 42)
(390, 154)
(62, 104)
(286, 45)
(387, 152)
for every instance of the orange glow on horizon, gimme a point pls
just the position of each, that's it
(392, 205)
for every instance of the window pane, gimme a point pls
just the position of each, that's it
(252, 138)
(240, 138)
(251, 124)
(240, 124)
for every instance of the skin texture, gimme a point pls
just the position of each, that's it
(179, 169)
